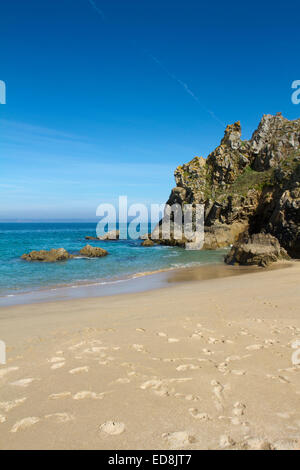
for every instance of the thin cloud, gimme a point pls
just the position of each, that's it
(171, 75)
(186, 89)
(100, 12)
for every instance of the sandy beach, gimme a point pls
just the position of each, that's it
(201, 363)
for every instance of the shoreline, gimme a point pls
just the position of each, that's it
(138, 282)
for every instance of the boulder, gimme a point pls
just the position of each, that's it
(147, 243)
(93, 252)
(259, 249)
(51, 256)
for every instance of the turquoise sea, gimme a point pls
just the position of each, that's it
(126, 257)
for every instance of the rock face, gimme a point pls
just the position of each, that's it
(48, 256)
(93, 252)
(257, 249)
(247, 185)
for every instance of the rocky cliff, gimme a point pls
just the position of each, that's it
(247, 185)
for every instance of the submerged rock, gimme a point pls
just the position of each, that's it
(93, 252)
(258, 249)
(50, 256)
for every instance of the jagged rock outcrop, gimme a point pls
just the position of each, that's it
(258, 249)
(50, 256)
(247, 185)
(274, 140)
(93, 252)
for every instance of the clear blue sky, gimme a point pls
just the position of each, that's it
(107, 97)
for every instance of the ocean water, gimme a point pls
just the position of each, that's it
(126, 258)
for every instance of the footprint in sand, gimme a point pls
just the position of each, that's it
(112, 427)
(10, 405)
(87, 394)
(139, 348)
(7, 370)
(235, 421)
(55, 359)
(24, 423)
(223, 368)
(23, 382)
(132, 373)
(257, 444)
(213, 341)
(238, 372)
(185, 367)
(79, 370)
(284, 415)
(281, 378)
(95, 350)
(122, 380)
(76, 346)
(154, 384)
(60, 417)
(198, 415)
(254, 347)
(179, 439)
(226, 441)
(162, 392)
(173, 340)
(191, 397)
(218, 393)
(239, 408)
(207, 352)
(58, 365)
(58, 396)
(244, 333)
(232, 358)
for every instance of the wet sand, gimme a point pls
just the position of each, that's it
(139, 282)
(197, 364)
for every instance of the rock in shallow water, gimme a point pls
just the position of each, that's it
(48, 256)
(93, 252)
(147, 243)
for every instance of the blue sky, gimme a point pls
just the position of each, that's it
(107, 97)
